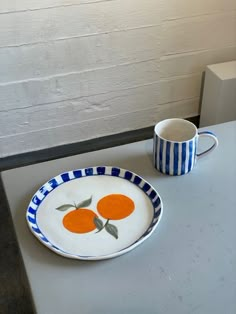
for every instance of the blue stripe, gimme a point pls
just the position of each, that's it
(176, 155)
(57, 248)
(167, 158)
(153, 194)
(53, 183)
(65, 177)
(157, 214)
(101, 170)
(146, 187)
(44, 239)
(190, 155)
(183, 158)
(44, 191)
(31, 210)
(89, 171)
(160, 155)
(115, 172)
(153, 224)
(32, 220)
(128, 175)
(144, 235)
(77, 173)
(36, 201)
(137, 180)
(36, 230)
(157, 202)
(155, 150)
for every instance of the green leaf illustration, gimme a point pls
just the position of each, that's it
(112, 230)
(84, 203)
(63, 208)
(98, 223)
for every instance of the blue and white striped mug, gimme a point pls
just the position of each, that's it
(175, 146)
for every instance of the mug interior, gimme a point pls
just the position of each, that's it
(176, 130)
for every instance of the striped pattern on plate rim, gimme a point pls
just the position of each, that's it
(174, 158)
(39, 196)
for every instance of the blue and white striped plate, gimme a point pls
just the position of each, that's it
(94, 213)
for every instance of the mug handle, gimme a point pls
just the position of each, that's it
(211, 135)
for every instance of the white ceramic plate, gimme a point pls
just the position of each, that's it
(94, 213)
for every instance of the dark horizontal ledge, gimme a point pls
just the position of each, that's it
(61, 151)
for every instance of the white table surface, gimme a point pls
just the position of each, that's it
(188, 265)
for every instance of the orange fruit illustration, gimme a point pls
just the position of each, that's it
(115, 206)
(80, 220)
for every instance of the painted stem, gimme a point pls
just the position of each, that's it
(103, 226)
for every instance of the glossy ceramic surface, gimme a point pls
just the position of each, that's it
(94, 213)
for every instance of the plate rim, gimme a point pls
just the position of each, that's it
(52, 247)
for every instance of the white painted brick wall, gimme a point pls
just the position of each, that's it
(71, 70)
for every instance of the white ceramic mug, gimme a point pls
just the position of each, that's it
(175, 146)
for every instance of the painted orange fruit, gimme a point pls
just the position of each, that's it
(80, 220)
(115, 206)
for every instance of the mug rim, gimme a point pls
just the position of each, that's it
(176, 119)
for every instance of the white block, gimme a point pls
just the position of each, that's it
(219, 95)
